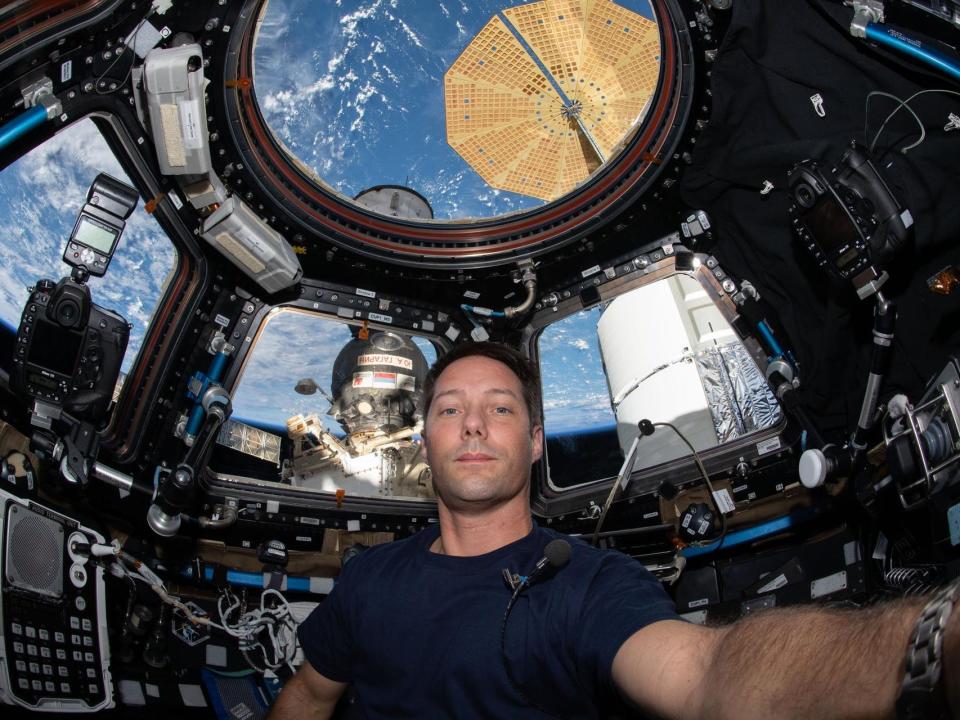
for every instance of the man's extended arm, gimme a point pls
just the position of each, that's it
(791, 663)
(308, 694)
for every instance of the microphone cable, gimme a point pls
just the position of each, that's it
(556, 555)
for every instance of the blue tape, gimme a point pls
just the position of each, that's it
(255, 580)
(739, 537)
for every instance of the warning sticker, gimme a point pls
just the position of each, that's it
(383, 359)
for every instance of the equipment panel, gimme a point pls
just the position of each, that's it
(54, 630)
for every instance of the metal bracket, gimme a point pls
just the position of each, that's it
(34, 91)
(865, 12)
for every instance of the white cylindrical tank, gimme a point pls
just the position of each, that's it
(643, 330)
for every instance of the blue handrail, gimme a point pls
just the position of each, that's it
(898, 40)
(22, 124)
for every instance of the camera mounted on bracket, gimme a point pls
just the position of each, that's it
(68, 350)
(848, 218)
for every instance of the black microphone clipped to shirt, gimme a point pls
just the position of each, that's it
(555, 556)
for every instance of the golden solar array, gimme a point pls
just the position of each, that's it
(507, 119)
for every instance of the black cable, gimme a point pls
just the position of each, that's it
(646, 428)
(120, 51)
(503, 650)
(706, 479)
(901, 105)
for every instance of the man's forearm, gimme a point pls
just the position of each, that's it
(786, 663)
(297, 701)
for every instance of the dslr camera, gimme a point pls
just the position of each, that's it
(68, 349)
(848, 219)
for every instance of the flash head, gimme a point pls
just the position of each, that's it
(112, 196)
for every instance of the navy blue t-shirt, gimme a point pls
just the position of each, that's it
(418, 633)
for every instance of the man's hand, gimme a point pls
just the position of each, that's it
(791, 663)
(308, 694)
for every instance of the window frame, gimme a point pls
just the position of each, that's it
(233, 485)
(548, 499)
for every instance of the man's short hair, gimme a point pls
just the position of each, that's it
(518, 364)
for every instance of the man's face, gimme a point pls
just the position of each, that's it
(478, 437)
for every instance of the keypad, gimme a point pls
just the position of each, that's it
(53, 645)
(48, 663)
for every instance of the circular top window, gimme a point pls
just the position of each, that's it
(481, 109)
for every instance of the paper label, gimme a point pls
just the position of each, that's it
(778, 582)
(724, 501)
(190, 123)
(590, 271)
(768, 446)
(366, 293)
(386, 319)
(66, 71)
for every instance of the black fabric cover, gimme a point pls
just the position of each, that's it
(775, 56)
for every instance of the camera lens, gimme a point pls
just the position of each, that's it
(805, 195)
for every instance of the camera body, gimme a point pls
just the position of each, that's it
(848, 219)
(68, 349)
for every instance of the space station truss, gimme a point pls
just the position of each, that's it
(548, 91)
(250, 441)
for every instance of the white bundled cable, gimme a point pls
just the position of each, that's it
(275, 625)
(133, 568)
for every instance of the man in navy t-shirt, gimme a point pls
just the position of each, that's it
(418, 626)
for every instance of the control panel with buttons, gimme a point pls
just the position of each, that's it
(54, 651)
